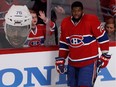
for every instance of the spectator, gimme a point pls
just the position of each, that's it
(38, 31)
(36, 36)
(41, 5)
(111, 29)
(50, 29)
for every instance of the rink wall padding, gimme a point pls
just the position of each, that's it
(34, 67)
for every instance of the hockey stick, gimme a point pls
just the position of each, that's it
(99, 64)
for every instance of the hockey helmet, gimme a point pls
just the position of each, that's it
(17, 25)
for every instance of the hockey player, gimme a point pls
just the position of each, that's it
(80, 36)
(17, 25)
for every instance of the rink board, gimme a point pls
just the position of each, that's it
(37, 69)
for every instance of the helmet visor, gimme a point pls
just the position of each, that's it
(17, 30)
(17, 35)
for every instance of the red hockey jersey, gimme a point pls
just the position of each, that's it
(37, 37)
(80, 42)
(108, 8)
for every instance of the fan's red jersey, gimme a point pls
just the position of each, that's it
(108, 8)
(38, 35)
(79, 43)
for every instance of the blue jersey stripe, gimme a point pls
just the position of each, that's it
(103, 38)
(86, 39)
(63, 45)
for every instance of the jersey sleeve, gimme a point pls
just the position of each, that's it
(100, 34)
(52, 25)
(63, 45)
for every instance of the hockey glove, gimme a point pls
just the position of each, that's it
(103, 60)
(60, 67)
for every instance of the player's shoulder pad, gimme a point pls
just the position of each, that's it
(91, 17)
(66, 20)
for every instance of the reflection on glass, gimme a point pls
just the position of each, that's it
(17, 25)
(55, 11)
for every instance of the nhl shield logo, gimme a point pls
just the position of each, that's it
(76, 41)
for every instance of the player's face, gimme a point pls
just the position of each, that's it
(17, 35)
(77, 12)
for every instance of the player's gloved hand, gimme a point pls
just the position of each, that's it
(103, 60)
(60, 67)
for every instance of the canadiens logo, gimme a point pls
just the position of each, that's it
(76, 41)
(34, 42)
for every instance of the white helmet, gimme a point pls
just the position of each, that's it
(17, 25)
(18, 16)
